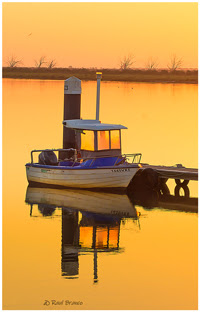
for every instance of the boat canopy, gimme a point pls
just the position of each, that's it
(90, 124)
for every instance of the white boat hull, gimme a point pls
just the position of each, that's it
(118, 177)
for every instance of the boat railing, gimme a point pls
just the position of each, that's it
(136, 157)
(54, 150)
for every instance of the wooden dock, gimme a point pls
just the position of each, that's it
(154, 178)
(178, 172)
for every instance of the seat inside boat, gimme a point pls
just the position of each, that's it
(101, 162)
(68, 163)
(94, 163)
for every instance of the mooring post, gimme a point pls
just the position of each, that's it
(72, 110)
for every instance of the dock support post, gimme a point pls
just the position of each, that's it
(163, 186)
(181, 185)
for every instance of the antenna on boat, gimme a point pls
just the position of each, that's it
(98, 94)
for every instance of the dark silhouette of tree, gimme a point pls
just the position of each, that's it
(127, 62)
(151, 63)
(51, 64)
(13, 61)
(175, 63)
(40, 62)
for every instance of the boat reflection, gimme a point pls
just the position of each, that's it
(82, 200)
(90, 222)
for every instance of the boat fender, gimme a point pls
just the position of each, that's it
(48, 158)
(149, 178)
(164, 189)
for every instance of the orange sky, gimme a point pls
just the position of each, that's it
(100, 34)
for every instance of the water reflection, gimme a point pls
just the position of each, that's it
(46, 210)
(90, 222)
(82, 200)
(70, 244)
(152, 199)
(92, 233)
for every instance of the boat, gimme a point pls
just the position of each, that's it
(96, 163)
(97, 172)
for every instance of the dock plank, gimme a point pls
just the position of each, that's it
(172, 172)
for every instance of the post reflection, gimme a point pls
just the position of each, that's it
(90, 223)
(92, 233)
(70, 244)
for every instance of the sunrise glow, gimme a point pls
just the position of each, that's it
(100, 34)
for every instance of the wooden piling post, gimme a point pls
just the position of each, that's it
(72, 110)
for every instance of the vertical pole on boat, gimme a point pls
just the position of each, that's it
(97, 108)
(72, 109)
(98, 94)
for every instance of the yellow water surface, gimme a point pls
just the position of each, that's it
(150, 263)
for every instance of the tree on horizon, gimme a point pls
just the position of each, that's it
(40, 62)
(13, 61)
(127, 62)
(175, 62)
(151, 63)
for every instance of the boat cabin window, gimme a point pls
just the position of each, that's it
(100, 140)
(87, 140)
(103, 140)
(115, 139)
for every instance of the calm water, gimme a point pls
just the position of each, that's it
(60, 244)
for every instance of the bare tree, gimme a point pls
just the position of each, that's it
(175, 63)
(127, 62)
(51, 64)
(13, 61)
(151, 63)
(40, 62)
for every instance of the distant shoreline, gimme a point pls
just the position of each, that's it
(130, 75)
